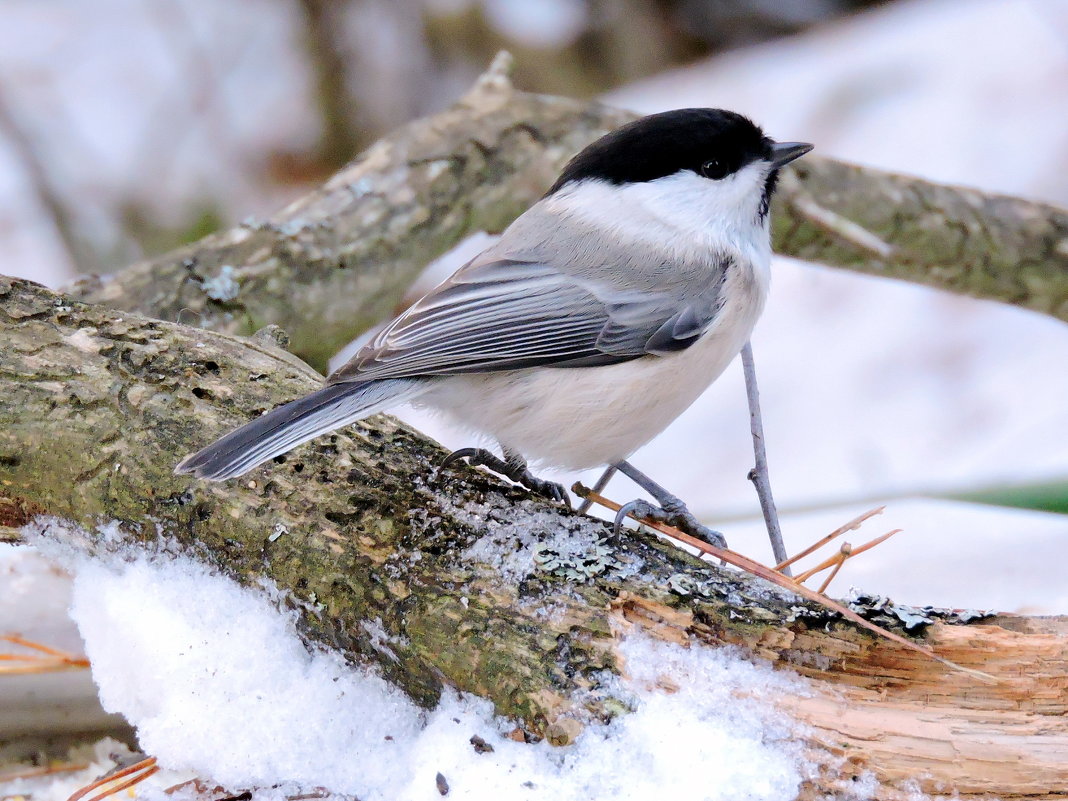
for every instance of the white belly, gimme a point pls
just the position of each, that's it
(579, 418)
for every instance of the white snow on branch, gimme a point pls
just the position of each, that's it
(218, 684)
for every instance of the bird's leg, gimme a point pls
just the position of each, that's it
(512, 466)
(671, 510)
(759, 474)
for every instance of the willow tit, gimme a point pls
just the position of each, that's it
(596, 319)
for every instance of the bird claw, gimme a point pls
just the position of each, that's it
(674, 514)
(522, 476)
(638, 508)
(473, 457)
(549, 489)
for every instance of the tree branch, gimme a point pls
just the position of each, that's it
(337, 261)
(445, 579)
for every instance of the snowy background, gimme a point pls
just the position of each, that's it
(874, 391)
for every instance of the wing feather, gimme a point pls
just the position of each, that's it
(508, 314)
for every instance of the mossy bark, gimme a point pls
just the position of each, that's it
(357, 527)
(384, 559)
(337, 261)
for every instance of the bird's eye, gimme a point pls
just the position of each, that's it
(714, 169)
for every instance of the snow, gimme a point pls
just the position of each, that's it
(215, 680)
(218, 685)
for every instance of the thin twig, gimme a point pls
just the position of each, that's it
(872, 543)
(850, 526)
(832, 560)
(759, 474)
(842, 556)
(54, 659)
(138, 772)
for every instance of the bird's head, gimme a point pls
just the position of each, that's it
(716, 160)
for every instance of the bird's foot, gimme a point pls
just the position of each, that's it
(516, 471)
(673, 513)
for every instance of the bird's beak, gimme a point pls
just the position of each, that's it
(781, 153)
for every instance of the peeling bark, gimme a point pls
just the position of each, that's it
(336, 262)
(387, 562)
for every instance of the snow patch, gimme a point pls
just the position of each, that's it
(219, 685)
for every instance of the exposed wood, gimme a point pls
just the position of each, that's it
(388, 563)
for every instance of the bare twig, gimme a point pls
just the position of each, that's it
(53, 659)
(842, 556)
(759, 474)
(852, 525)
(602, 482)
(132, 774)
(43, 770)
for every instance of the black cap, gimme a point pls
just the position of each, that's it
(707, 141)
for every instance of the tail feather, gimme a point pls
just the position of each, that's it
(292, 424)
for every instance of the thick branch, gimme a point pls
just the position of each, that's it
(962, 240)
(389, 563)
(335, 262)
(338, 260)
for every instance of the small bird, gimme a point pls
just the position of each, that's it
(596, 319)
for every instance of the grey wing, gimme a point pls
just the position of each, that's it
(506, 314)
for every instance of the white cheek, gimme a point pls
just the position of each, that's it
(701, 205)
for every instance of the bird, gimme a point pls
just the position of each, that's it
(598, 317)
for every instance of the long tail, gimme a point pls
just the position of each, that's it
(286, 427)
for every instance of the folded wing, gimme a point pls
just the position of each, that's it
(506, 314)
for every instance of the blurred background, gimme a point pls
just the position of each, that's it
(128, 127)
